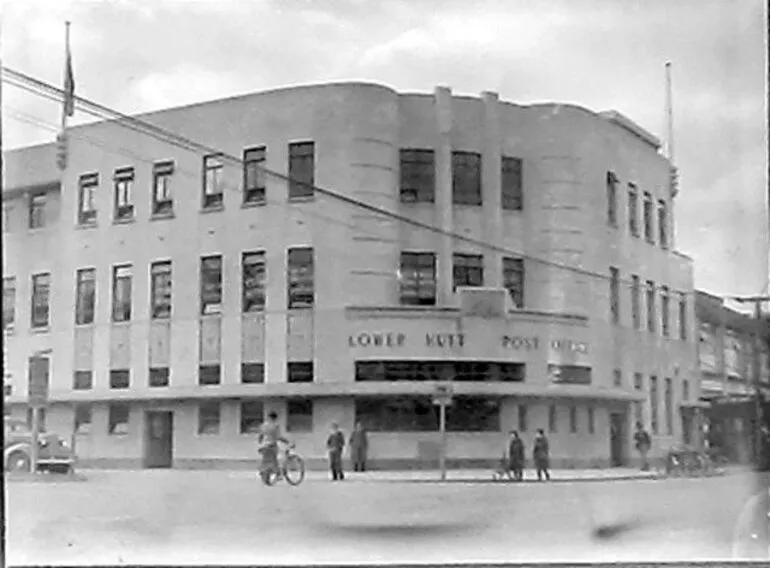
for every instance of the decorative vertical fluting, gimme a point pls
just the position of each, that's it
(443, 155)
(491, 188)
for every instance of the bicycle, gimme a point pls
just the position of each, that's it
(289, 466)
(692, 463)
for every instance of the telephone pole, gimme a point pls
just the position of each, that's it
(756, 364)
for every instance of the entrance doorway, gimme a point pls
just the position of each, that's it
(158, 439)
(617, 439)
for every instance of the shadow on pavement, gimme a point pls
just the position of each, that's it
(401, 532)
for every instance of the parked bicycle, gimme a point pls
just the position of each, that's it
(289, 466)
(685, 461)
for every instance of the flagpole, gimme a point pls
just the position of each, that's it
(66, 73)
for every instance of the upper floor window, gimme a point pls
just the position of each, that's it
(513, 279)
(299, 372)
(633, 210)
(213, 190)
(511, 183)
(636, 308)
(162, 198)
(662, 224)
(37, 210)
(87, 186)
(301, 277)
(648, 214)
(615, 294)
(160, 289)
(467, 270)
(654, 404)
(685, 390)
(121, 293)
(41, 300)
(466, 178)
(553, 425)
(682, 317)
(7, 209)
(418, 176)
(209, 374)
(211, 284)
(124, 181)
(254, 175)
(664, 310)
(617, 378)
(9, 301)
(301, 169)
(651, 316)
(418, 278)
(85, 302)
(254, 281)
(612, 199)
(668, 406)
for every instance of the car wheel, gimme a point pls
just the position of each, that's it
(18, 461)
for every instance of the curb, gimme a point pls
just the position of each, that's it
(44, 478)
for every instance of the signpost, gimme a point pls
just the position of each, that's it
(442, 397)
(37, 398)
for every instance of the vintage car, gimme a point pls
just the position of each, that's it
(54, 454)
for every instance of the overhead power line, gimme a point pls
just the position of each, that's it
(51, 92)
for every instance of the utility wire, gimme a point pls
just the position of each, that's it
(49, 91)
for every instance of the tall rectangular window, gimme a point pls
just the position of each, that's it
(467, 270)
(83, 418)
(120, 378)
(82, 380)
(633, 210)
(252, 416)
(418, 278)
(299, 372)
(522, 418)
(512, 184)
(638, 413)
(254, 174)
(552, 419)
(162, 197)
(124, 181)
(9, 301)
(513, 279)
(213, 189)
(121, 293)
(648, 213)
(591, 420)
(636, 308)
(612, 199)
(37, 210)
(209, 375)
(654, 404)
(668, 402)
(682, 316)
(617, 378)
(615, 295)
(160, 289)
(254, 281)
(87, 186)
(650, 300)
(301, 169)
(418, 176)
(209, 415)
(299, 415)
(466, 178)
(211, 284)
(301, 278)
(665, 311)
(685, 390)
(573, 419)
(118, 417)
(85, 302)
(638, 381)
(41, 300)
(662, 224)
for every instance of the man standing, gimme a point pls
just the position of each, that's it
(358, 447)
(540, 453)
(269, 436)
(516, 456)
(643, 443)
(335, 443)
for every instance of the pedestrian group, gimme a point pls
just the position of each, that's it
(514, 459)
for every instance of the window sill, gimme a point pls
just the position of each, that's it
(512, 209)
(41, 329)
(118, 434)
(9, 329)
(36, 230)
(467, 204)
(208, 434)
(213, 209)
(301, 308)
(87, 225)
(162, 216)
(84, 325)
(209, 384)
(212, 315)
(301, 198)
(252, 204)
(122, 323)
(123, 220)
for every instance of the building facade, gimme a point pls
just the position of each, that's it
(184, 293)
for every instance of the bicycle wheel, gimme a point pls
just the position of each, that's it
(269, 477)
(294, 470)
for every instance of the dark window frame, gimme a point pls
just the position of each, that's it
(466, 269)
(213, 196)
(120, 379)
(466, 178)
(647, 216)
(209, 374)
(612, 199)
(298, 418)
(253, 281)
(250, 422)
(252, 370)
(83, 379)
(209, 418)
(40, 313)
(683, 316)
(254, 175)
(511, 183)
(514, 278)
(665, 311)
(417, 175)
(162, 196)
(211, 284)
(37, 210)
(85, 296)
(415, 289)
(553, 419)
(591, 420)
(159, 377)
(122, 292)
(668, 405)
(88, 184)
(649, 300)
(161, 289)
(617, 378)
(654, 423)
(83, 416)
(573, 419)
(300, 372)
(300, 268)
(301, 170)
(615, 295)
(636, 304)
(123, 185)
(633, 210)
(9, 301)
(118, 414)
(521, 417)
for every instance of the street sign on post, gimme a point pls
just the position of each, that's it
(442, 396)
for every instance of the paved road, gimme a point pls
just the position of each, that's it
(226, 517)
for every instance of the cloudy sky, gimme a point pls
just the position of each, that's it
(137, 56)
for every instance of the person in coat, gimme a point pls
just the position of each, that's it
(643, 443)
(359, 445)
(516, 456)
(540, 455)
(335, 444)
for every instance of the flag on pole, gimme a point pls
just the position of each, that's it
(69, 80)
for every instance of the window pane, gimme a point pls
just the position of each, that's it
(9, 301)
(208, 418)
(159, 377)
(118, 419)
(417, 172)
(121, 293)
(37, 211)
(397, 414)
(120, 378)
(418, 278)
(299, 415)
(466, 178)
(301, 169)
(301, 278)
(467, 270)
(254, 281)
(633, 214)
(211, 284)
(41, 284)
(160, 289)
(252, 373)
(209, 375)
(614, 295)
(301, 372)
(82, 380)
(513, 280)
(512, 182)
(473, 414)
(612, 199)
(251, 417)
(86, 296)
(254, 175)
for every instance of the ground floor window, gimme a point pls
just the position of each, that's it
(252, 416)
(439, 371)
(419, 414)
(118, 419)
(82, 418)
(299, 415)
